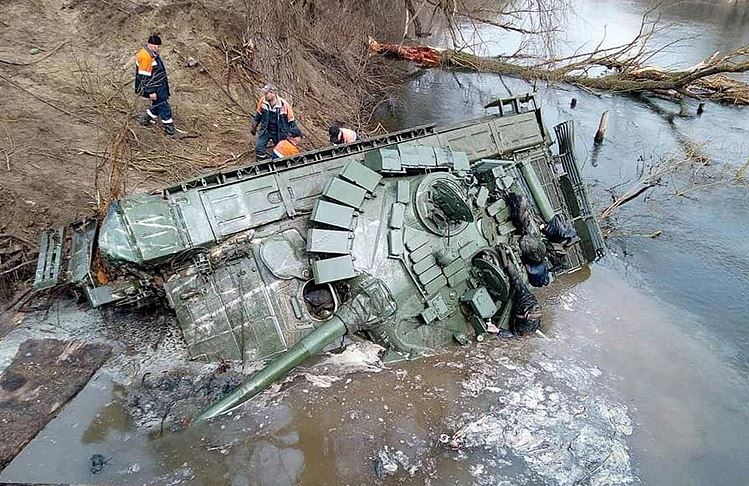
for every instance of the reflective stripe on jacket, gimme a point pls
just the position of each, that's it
(150, 75)
(282, 110)
(284, 148)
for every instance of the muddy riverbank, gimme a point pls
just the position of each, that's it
(617, 394)
(643, 378)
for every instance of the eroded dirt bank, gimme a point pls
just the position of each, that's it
(66, 73)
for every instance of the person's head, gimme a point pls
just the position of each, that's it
(295, 136)
(335, 133)
(269, 91)
(154, 43)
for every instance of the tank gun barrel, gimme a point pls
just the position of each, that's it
(371, 303)
(309, 345)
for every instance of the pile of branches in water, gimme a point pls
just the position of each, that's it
(681, 175)
(16, 262)
(625, 67)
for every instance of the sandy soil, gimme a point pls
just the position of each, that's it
(63, 104)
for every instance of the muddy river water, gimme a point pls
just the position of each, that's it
(643, 377)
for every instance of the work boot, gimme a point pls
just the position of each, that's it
(144, 119)
(259, 157)
(169, 129)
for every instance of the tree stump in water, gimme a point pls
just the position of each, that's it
(602, 125)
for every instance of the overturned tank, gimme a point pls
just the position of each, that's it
(414, 240)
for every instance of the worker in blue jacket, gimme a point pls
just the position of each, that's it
(151, 82)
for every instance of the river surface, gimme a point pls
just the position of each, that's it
(643, 377)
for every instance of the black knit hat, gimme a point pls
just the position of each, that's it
(154, 39)
(334, 131)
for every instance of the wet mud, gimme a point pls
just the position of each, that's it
(642, 379)
(42, 377)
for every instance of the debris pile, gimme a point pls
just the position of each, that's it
(16, 262)
(169, 400)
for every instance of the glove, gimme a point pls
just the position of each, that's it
(152, 96)
(253, 129)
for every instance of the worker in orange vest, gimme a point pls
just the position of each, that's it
(340, 135)
(290, 145)
(151, 82)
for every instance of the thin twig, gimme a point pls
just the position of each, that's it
(5, 272)
(35, 61)
(48, 103)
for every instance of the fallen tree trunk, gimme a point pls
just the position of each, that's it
(623, 74)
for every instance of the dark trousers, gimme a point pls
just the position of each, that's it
(160, 109)
(261, 143)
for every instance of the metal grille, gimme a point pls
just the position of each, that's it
(565, 133)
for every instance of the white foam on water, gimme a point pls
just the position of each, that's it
(392, 459)
(321, 381)
(358, 357)
(549, 416)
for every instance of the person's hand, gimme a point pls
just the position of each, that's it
(253, 129)
(152, 96)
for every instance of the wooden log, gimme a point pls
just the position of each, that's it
(602, 125)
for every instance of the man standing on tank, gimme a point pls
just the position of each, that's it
(151, 82)
(272, 120)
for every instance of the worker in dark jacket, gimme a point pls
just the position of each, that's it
(151, 82)
(272, 120)
(340, 135)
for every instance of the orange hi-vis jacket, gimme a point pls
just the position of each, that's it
(150, 75)
(282, 111)
(284, 148)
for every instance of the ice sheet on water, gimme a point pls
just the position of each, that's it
(321, 381)
(568, 301)
(551, 418)
(389, 460)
